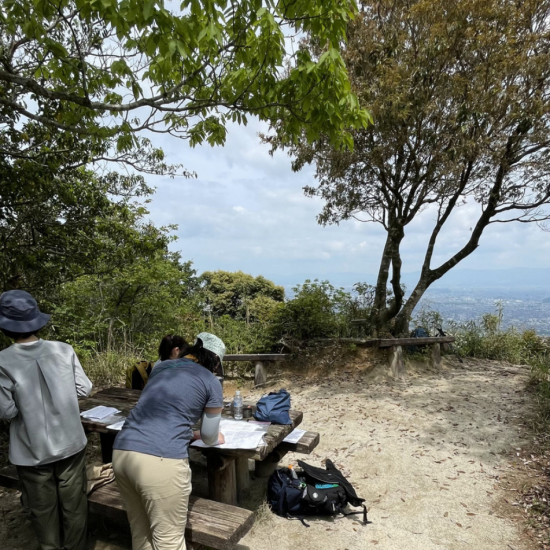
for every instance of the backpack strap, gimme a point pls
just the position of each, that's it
(299, 518)
(363, 511)
(141, 367)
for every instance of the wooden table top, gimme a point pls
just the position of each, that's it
(125, 399)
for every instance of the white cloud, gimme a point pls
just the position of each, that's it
(246, 210)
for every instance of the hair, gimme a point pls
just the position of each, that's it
(19, 335)
(208, 359)
(168, 343)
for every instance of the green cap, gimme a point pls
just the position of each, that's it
(212, 343)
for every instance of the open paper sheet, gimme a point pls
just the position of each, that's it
(239, 435)
(294, 436)
(227, 424)
(99, 413)
(117, 425)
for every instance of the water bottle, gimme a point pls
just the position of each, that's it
(238, 406)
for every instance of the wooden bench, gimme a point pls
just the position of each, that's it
(260, 360)
(305, 445)
(395, 345)
(396, 350)
(209, 523)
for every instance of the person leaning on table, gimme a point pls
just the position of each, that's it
(40, 383)
(150, 457)
(170, 347)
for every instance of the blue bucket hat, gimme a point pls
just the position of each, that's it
(19, 312)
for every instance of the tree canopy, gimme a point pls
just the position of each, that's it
(239, 294)
(58, 223)
(459, 92)
(111, 71)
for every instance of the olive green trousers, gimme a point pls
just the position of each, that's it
(55, 497)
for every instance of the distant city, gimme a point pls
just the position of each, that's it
(464, 295)
(523, 308)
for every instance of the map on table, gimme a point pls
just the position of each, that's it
(238, 434)
(99, 413)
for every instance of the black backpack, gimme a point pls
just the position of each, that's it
(418, 332)
(311, 492)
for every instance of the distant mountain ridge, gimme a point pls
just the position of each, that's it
(520, 277)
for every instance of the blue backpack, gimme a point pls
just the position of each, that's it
(274, 407)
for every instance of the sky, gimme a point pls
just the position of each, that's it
(246, 211)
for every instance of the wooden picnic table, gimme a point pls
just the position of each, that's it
(228, 474)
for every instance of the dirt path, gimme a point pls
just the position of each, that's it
(429, 455)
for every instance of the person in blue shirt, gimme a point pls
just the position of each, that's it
(150, 457)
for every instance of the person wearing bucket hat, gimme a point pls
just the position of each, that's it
(151, 452)
(40, 383)
(217, 347)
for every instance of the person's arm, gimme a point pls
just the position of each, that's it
(82, 382)
(210, 426)
(211, 415)
(8, 409)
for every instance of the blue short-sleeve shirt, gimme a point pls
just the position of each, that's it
(172, 402)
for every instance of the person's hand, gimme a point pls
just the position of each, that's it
(221, 439)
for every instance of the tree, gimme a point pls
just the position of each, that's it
(136, 304)
(108, 71)
(59, 223)
(459, 93)
(239, 294)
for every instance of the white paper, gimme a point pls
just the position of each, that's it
(99, 413)
(117, 425)
(244, 439)
(294, 436)
(229, 425)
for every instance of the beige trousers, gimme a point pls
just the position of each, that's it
(156, 493)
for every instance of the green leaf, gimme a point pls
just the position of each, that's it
(148, 8)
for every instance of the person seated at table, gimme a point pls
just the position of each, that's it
(151, 452)
(40, 383)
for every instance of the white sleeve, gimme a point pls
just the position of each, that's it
(8, 408)
(82, 382)
(210, 427)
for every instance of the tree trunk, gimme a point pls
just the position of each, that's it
(378, 313)
(391, 257)
(402, 320)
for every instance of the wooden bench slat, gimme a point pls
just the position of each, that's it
(256, 356)
(305, 445)
(209, 523)
(390, 342)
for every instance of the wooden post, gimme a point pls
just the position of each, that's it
(268, 465)
(436, 356)
(243, 476)
(260, 376)
(396, 361)
(107, 440)
(222, 479)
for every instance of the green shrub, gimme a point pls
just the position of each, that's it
(318, 310)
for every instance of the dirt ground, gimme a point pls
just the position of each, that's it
(433, 456)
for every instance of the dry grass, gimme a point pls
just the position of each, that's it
(108, 368)
(264, 516)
